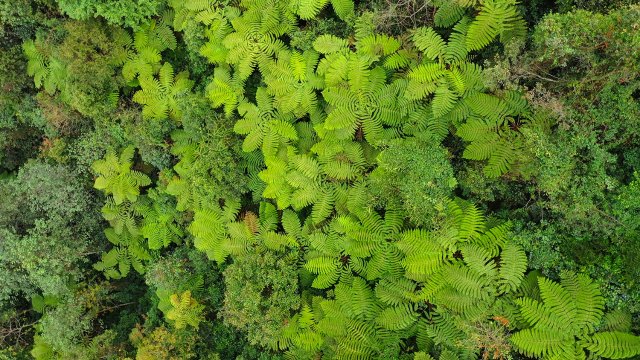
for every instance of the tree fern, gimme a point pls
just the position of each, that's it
(343, 160)
(589, 308)
(544, 344)
(424, 255)
(225, 90)
(479, 260)
(124, 216)
(500, 153)
(210, 233)
(488, 129)
(442, 329)
(160, 224)
(115, 176)
(219, 27)
(375, 108)
(354, 322)
(293, 82)
(377, 46)
(149, 42)
(394, 290)
(456, 86)
(38, 66)
(466, 281)
(255, 38)
(444, 100)
(128, 252)
(293, 180)
(357, 243)
(422, 356)
(563, 324)
(261, 231)
(185, 310)
(263, 126)
(301, 336)
(158, 95)
(357, 89)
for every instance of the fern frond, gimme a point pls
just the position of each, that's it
(513, 264)
(423, 256)
(443, 101)
(465, 281)
(394, 290)
(479, 261)
(617, 321)
(422, 356)
(343, 8)
(442, 330)
(588, 299)
(308, 9)
(536, 314)
(397, 318)
(559, 301)
(328, 44)
(495, 18)
(448, 13)
(322, 265)
(429, 42)
(614, 345)
(543, 343)
(323, 208)
(209, 231)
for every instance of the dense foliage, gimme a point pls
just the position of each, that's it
(319, 179)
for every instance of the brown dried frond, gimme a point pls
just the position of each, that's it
(251, 220)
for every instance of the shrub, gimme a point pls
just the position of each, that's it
(261, 294)
(50, 206)
(414, 173)
(130, 13)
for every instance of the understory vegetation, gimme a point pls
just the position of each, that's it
(319, 179)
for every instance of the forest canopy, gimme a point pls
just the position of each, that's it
(319, 179)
